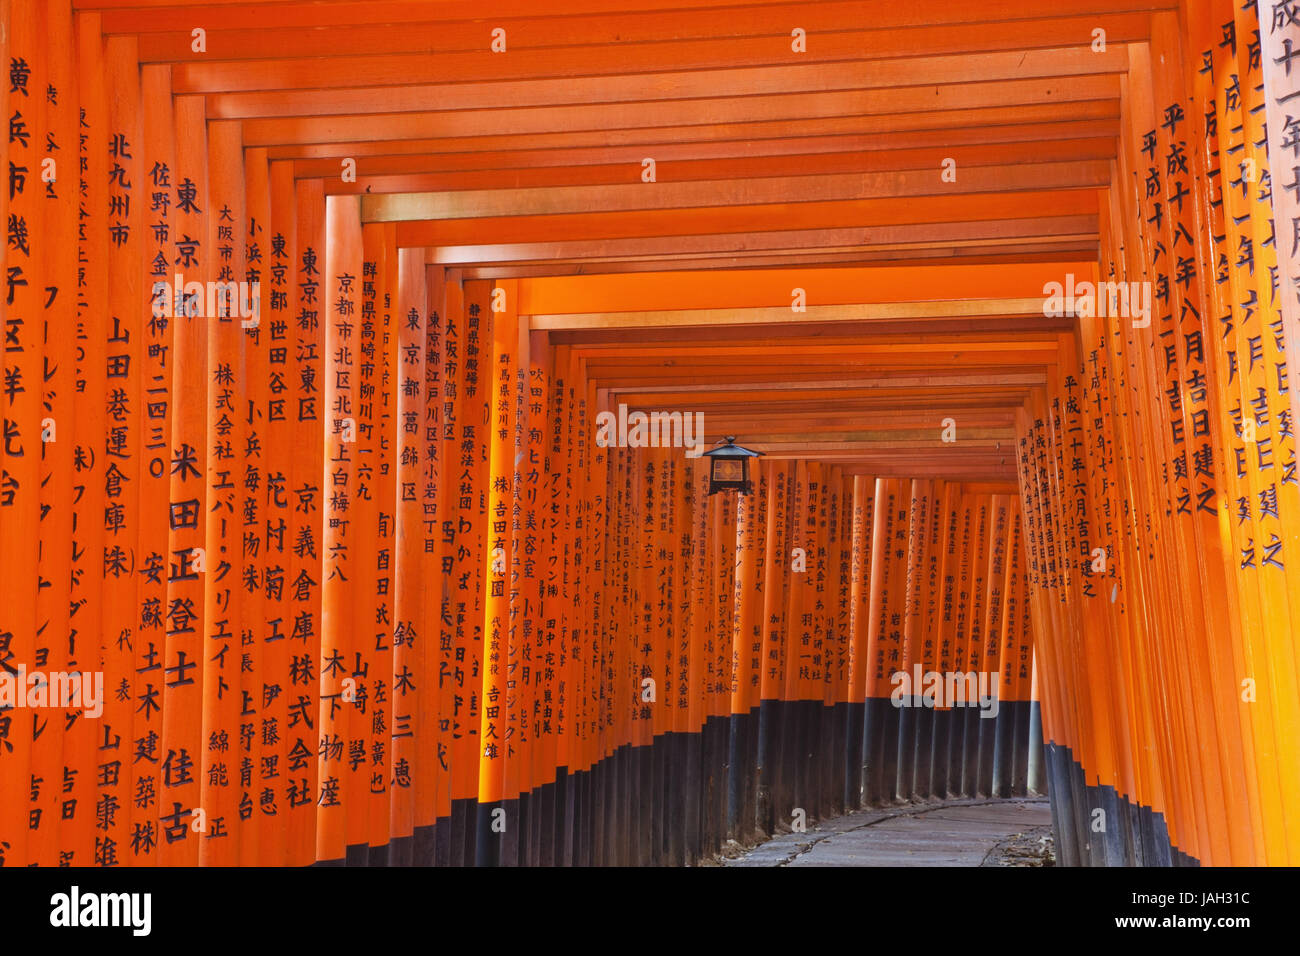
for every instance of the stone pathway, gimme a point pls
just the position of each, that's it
(953, 833)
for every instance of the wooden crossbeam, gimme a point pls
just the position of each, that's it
(710, 36)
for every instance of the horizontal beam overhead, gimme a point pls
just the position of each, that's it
(160, 16)
(842, 239)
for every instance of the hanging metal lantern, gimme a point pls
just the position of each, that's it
(729, 467)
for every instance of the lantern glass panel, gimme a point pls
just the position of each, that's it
(728, 469)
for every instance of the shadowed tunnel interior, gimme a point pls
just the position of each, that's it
(359, 359)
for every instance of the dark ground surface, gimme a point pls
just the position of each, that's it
(1011, 832)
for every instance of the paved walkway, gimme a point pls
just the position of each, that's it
(954, 833)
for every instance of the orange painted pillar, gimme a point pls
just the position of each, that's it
(340, 786)
(884, 635)
(21, 414)
(58, 281)
(262, 537)
(310, 417)
(494, 725)
(863, 522)
(278, 332)
(416, 641)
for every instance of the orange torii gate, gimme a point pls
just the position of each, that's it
(351, 491)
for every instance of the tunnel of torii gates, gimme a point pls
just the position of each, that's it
(364, 579)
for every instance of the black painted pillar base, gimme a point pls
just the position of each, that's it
(854, 716)
(1094, 825)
